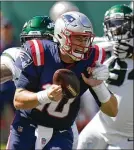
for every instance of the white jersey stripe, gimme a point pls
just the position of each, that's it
(37, 52)
(100, 54)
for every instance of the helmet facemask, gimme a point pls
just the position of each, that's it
(26, 37)
(119, 23)
(118, 29)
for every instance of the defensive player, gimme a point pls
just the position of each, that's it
(39, 101)
(105, 132)
(38, 27)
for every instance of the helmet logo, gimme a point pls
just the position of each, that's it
(25, 59)
(50, 25)
(85, 22)
(69, 20)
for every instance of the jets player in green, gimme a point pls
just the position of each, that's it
(41, 27)
(104, 132)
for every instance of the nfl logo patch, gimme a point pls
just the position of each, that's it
(43, 141)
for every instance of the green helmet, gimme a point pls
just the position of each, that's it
(118, 23)
(41, 27)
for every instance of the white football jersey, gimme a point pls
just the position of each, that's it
(121, 83)
(103, 42)
(116, 131)
(9, 57)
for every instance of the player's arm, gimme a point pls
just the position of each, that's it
(25, 99)
(104, 98)
(6, 63)
(8, 70)
(108, 102)
(27, 82)
(5, 74)
(110, 107)
(27, 95)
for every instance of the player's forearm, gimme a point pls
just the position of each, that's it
(110, 107)
(25, 99)
(5, 74)
(108, 100)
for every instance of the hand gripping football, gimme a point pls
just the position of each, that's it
(68, 81)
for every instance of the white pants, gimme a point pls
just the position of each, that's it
(76, 134)
(94, 136)
(88, 104)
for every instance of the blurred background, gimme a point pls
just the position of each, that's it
(18, 12)
(13, 16)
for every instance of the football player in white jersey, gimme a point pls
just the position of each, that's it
(38, 27)
(104, 132)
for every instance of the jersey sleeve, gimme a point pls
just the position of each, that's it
(8, 59)
(100, 55)
(36, 50)
(30, 62)
(104, 43)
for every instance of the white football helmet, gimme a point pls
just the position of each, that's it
(73, 30)
(61, 7)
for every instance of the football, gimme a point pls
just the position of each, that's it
(69, 82)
